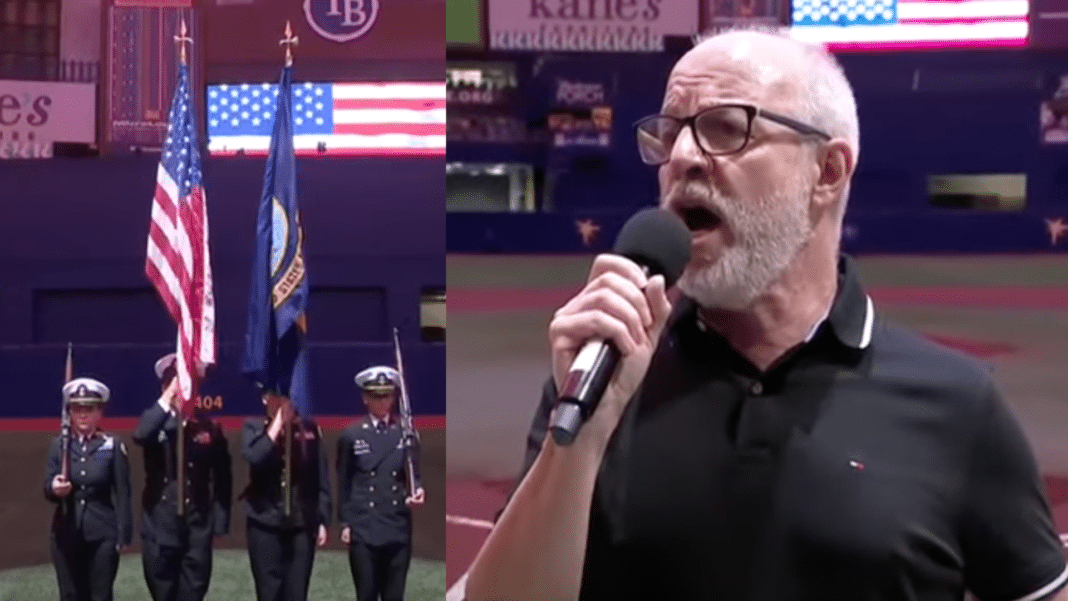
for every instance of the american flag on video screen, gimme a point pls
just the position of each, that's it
(901, 24)
(342, 118)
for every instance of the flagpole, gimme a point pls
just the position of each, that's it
(181, 39)
(288, 482)
(64, 441)
(288, 42)
(180, 455)
(407, 429)
(68, 375)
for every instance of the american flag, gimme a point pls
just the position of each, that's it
(178, 262)
(331, 118)
(907, 24)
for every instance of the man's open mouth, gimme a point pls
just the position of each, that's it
(699, 218)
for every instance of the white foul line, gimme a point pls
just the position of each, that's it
(474, 523)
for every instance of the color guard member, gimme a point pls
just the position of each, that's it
(373, 506)
(93, 520)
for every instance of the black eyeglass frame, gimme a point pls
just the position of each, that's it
(751, 111)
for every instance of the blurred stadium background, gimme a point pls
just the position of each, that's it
(958, 214)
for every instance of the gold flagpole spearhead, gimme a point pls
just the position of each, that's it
(289, 41)
(182, 39)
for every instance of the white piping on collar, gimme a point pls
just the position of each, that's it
(865, 337)
(869, 322)
(1049, 588)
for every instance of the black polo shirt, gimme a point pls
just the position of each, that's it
(868, 464)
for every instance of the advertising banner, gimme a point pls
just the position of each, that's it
(35, 114)
(480, 85)
(483, 103)
(582, 114)
(597, 25)
(579, 95)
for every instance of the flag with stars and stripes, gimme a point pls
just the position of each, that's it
(909, 24)
(403, 118)
(178, 262)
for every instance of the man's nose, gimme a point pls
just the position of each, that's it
(686, 158)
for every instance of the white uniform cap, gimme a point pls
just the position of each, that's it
(167, 362)
(381, 378)
(86, 390)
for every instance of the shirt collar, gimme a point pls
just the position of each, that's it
(851, 315)
(375, 420)
(819, 322)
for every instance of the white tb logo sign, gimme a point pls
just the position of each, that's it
(340, 20)
(352, 8)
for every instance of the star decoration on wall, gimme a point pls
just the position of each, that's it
(587, 230)
(1057, 228)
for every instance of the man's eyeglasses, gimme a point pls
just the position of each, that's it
(722, 129)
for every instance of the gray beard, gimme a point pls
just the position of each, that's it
(769, 233)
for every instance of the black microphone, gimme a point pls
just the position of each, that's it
(659, 242)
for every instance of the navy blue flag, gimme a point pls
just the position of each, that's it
(275, 341)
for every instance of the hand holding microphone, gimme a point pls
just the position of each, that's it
(602, 342)
(615, 321)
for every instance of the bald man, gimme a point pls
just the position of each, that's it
(768, 435)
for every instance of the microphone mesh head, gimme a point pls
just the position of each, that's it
(658, 240)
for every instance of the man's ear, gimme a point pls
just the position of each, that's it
(836, 165)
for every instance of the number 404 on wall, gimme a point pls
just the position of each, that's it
(209, 403)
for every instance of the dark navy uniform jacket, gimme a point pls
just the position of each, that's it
(98, 506)
(372, 483)
(208, 472)
(263, 498)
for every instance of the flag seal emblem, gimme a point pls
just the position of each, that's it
(287, 260)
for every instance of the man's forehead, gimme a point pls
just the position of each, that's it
(744, 66)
